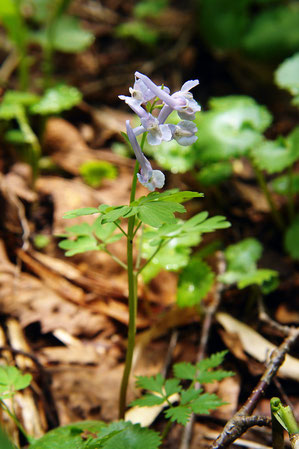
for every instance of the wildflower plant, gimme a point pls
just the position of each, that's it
(154, 213)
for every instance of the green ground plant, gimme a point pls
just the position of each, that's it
(46, 23)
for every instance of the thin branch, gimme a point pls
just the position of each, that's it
(235, 427)
(205, 333)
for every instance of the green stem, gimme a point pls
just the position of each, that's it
(32, 140)
(161, 244)
(132, 286)
(17, 422)
(263, 185)
(116, 259)
(121, 229)
(166, 430)
(291, 205)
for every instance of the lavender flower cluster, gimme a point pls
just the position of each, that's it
(144, 91)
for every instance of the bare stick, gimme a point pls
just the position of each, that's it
(236, 426)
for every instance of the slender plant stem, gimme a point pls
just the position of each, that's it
(161, 244)
(16, 421)
(132, 286)
(32, 140)
(166, 430)
(291, 205)
(121, 229)
(263, 185)
(116, 259)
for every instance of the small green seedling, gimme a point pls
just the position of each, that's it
(191, 399)
(93, 172)
(242, 268)
(283, 418)
(11, 381)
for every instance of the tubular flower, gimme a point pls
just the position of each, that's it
(184, 132)
(140, 93)
(151, 179)
(156, 131)
(181, 101)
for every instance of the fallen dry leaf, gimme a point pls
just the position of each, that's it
(257, 346)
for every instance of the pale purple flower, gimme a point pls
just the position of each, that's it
(184, 132)
(156, 131)
(140, 93)
(181, 101)
(151, 179)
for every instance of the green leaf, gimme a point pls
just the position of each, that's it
(19, 97)
(93, 172)
(205, 403)
(214, 174)
(213, 361)
(148, 400)
(194, 283)
(180, 414)
(184, 370)
(103, 231)
(232, 126)
(172, 386)
(156, 213)
(190, 395)
(57, 99)
(12, 379)
(206, 377)
(223, 23)
(131, 436)
(9, 111)
(5, 443)
(114, 213)
(282, 184)
(275, 156)
(242, 256)
(291, 239)
(80, 229)
(259, 277)
(286, 76)
(82, 244)
(68, 437)
(242, 268)
(80, 212)
(273, 33)
(152, 383)
(139, 31)
(172, 156)
(17, 137)
(68, 36)
(149, 8)
(174, 196)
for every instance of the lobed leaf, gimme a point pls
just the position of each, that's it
(148, 400)
(57, 99)
(206, 402)
(286, 183)
(81, 212)
(291, 239)
(151, 383)
(180, 414)
(194, 283)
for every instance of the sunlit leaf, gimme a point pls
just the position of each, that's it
(69, 36)
(195, 282)
(93, 172)
(291, 239)
(57, 99)
(230, 128)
